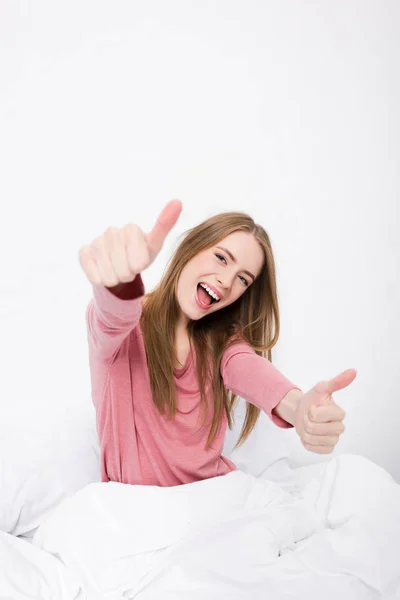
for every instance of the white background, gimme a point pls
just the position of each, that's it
(285, 110)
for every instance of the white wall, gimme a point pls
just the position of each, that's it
(286, 110)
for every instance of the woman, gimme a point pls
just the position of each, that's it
(167, 367)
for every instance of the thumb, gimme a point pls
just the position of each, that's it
(324, 389)
(165, 222)
(341, 381)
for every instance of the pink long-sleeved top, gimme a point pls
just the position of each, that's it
(137, 444)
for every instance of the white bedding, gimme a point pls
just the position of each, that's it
(235, 537)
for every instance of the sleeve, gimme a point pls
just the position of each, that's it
(255, 379)
(109, 319)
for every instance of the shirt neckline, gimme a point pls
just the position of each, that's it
(181, 370)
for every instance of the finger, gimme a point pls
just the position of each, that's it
(320, 440)
(336, 428)
(93, 272)
(88, 263)
(165, 222)
(318, 449)
(341, 381)
(325, 413)
(104, 265)
(136, 248)
(115, 243)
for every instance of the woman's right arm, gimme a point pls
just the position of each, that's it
(113, 263)
(111, 315)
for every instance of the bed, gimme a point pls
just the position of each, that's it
(268, 530)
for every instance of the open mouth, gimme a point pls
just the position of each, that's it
(204, 298)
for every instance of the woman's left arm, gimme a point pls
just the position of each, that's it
(258, 381)
(287, 407)
(314, 414)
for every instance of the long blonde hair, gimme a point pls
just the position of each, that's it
(252, 318)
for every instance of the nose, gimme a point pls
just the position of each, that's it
(225, 282)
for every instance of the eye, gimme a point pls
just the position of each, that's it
(220, 256)
(246, 283)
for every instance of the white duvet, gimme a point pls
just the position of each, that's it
(235, 537)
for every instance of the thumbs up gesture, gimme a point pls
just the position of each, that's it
(318, 419)
(119, 254)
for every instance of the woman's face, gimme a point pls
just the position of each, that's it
(228, 269)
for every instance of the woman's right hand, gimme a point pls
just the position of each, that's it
(119, 254)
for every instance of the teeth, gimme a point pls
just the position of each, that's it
(212, 294)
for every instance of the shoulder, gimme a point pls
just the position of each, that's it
(237, 345)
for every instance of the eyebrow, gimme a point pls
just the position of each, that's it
(234, 260)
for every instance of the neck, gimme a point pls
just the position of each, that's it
(181, 326)
(181, 331)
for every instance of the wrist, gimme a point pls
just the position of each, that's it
(287, 407)
(129, 290)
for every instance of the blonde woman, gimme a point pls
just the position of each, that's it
(167, 367)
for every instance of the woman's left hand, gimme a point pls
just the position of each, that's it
(318, 419)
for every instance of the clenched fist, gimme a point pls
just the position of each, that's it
(119, 254)
(318, 419)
